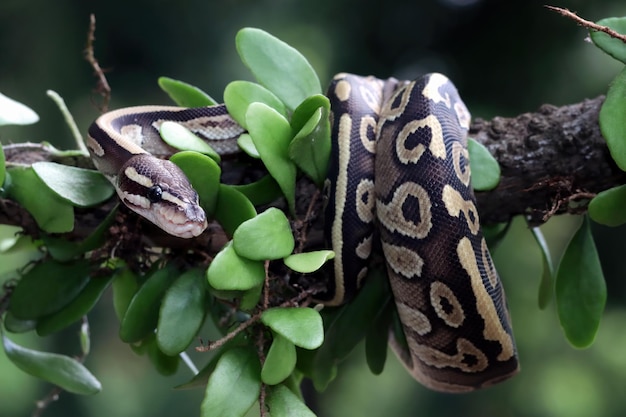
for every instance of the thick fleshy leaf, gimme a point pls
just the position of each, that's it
(238, 95)
(233, 208)
(164, 364)
(310, 147)
(376, 338)
(125, 286)
(15, 113)
(307, 109)
(580, 288)
(609, 206)
(271, 135)
(81, 187)
(229, 271)
(612, 46)
(64, 250)
(300, 325)
(266, 236)
(308, 261)
(355, 318)
(182, 312)
(204, 174)
(612, 120)
(48, 287)
(52, 213)
(142, 314)
(234, 385)
(80, 306)
(280, 361)
(9, 235)
(179, 137)
(546, 286)
(284, 403)
(59, 370)
(15, 325)
(485, 168)
(277, 66)
(185, 95)
(245, 143)
(263, 191)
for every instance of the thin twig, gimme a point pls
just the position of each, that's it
(587, 23)
(78, 138)
(103, 87)
(252, 320)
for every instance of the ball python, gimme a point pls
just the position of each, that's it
(398, 179)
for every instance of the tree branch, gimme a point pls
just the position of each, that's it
(553, 161)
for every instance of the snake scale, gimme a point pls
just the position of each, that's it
(399, 179)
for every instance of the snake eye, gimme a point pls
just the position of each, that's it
(154, 194)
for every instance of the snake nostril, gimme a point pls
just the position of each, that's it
(154, 194)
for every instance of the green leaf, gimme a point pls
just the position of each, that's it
(51, 212)
(280, 361)
(612, 120)
(15, 325)
(244, 141)
(306, 110)
(59, 370)
(48, 287)
(580, 288)
(277, 66)
(485, 168)
(271, 135)
(310, 147)
(80, 306)
(612, 46)
(230, 271)
(182, 312)
(238, 95)
(284, 403)
(204, 175)
(308, 262)
(234, 385)
(233, 208)
(142, 314)
(609, 207)
(124, 288)
(179, 137)
(355, 318)
(546, 286)
(185, 95)
(376, 338)
(81, 187)
(266, 236)
(64, 250)
(261, 192)
(164, 364)
(15, 113)
(300, 325)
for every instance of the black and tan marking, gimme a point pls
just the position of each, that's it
(126, 147)
(448, 294)
(399, 174)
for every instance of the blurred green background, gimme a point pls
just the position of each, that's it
(504, 57)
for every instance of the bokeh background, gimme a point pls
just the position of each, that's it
(505, 58)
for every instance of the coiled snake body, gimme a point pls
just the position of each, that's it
(399, 172)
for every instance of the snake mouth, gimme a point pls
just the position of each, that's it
(186, 222)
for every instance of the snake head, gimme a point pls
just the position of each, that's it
(159, 191)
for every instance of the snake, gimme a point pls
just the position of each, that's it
(398, 182)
